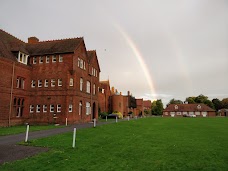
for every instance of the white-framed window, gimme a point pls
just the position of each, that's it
(94, 89)
(47, 59)
(18, 82)
(84, 65)
(37, 108)
(53, 58)
(80, 108)
(88, 87)
(34, 60)
(79, 61)
(71, 82)
(81, 84)
(176, 107)
(31, 108)
(45, 83)
(88, 109)
(58, 108)
(60, 58)
(44, 108)
(52, 82)
(198, 107)
(39, 83)
(41, 59)
(178, 113)
(60, 82)
(33, 83)
(52, 108)
(197, 113)
(191, 113)
(70, 108)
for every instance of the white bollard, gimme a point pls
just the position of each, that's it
(26, 135)
(74, 138)
(106, 118)
(116, 119)
(66, 121)
(94, 122)
(128, 118)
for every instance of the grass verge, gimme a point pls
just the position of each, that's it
(143, 144)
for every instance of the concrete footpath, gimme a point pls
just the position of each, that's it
(9, 151)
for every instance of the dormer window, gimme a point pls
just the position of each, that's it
(53, 58)
(176, 107)
(41, 60)
(34, 60)
(198, 107)
(22, 58)
(60, 58)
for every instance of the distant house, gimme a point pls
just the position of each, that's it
(223, 112)
(192, 110)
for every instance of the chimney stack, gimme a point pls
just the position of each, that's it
(33, 40)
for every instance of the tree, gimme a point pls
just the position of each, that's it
(174, 101)
(209, 103)
(157, 107)
(201, 98)
(225, 103)
(217, 104)
(190, 100)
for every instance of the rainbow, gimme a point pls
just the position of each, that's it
(140, 59)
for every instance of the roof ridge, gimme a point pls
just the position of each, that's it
(12, 36)
(55, 40)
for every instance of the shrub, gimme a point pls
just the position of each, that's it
(120, 116)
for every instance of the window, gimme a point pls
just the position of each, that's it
(71, 81)
(70, 108)
(34, 60)
(33, 83)
(60, 82)
(84, 65)
(60, 58)
(197, 113)
(37, 108)
(81, 84)
(176, 107)
(44, 108)
(31, 108)
(94, 89)
(47, 59)
(58, 108)
(20, 83)
(88, 87)
(88, 111)
(52, 107)
(22, 58)
(39, 83)
(41, 60)
(52, 82)
(79, 60)
(53, 58)
(46, 83)
(80, 108)
(198, 107)
(81, 63)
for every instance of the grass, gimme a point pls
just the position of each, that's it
(143, 144)
(21, 129)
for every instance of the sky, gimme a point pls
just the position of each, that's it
(156, 49)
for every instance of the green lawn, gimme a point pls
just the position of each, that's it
(22, 129)
(137, 145)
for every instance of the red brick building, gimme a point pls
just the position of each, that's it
(104, 97)
(192, 110)
(47, 82)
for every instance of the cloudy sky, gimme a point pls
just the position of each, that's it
(157, 49)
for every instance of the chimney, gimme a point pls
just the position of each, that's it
(33, 40)
(113, 89)
(120, 93)
(128, 93)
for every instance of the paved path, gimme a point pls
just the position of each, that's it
(10, 152)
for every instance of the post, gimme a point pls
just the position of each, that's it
(74, 138)
(128, 118)
(26, 135)
(66, 121)
(94, 122)
(116, 119)
(106, 118)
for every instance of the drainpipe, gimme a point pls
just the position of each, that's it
(11, 95)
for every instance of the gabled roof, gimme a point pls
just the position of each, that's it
(9, 44)
(147, 103)
(92, 56)
(54, 46)
(105, 84)
(188, 108)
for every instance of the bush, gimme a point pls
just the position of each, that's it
(103, 114)
(120, 116)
